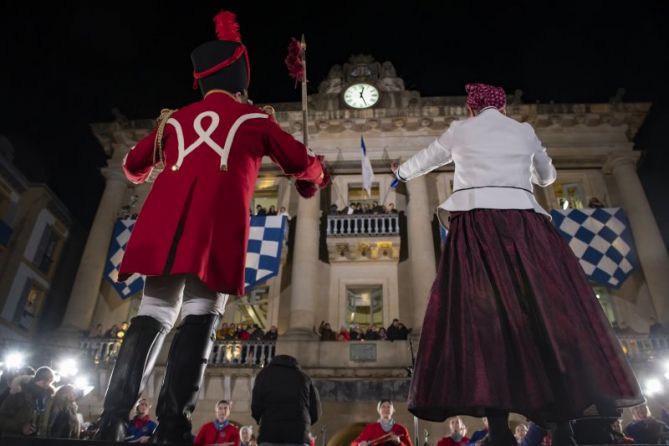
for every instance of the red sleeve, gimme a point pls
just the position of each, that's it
(232, 435)
(291, 155)
(405, 436)
(442, 441)
(366, 435)
(138, 162)
(200, 439)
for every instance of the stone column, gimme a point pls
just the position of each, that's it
(86, 287)
(650, 246)
(304, 281)
(421, 249)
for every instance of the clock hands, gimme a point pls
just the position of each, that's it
(361, 96)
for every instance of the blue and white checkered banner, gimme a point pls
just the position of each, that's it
(134, 283)
(263, 253)
(602, 241)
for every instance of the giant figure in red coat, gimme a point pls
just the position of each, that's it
(190, 237)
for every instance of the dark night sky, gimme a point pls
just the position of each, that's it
(67, 64)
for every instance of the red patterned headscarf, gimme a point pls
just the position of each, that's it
(482, 95)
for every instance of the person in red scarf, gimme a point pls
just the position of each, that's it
(141, 427)
(384, 432)
(191, 235)
(458, 435)
(220, 431)
(510, 297)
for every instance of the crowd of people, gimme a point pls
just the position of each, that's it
(245, 332)
(363, 208)
(31, 405)
(261, 210)
(396, 331)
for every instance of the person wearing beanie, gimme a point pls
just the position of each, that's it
(510, 299)
(191, 235)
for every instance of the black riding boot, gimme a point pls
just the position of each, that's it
(186, 364)
(134, 363)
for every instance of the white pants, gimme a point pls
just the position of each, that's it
(164, 296)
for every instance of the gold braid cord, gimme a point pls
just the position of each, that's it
(158, 152)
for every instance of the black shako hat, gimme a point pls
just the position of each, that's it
(222, 64)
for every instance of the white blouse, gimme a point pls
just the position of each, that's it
(496, 161)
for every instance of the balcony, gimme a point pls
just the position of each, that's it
(363, 237)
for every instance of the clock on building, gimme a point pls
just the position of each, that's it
(361, 95)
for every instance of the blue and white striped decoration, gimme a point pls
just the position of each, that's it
(119, 241)
(263, 253)
(602, 241)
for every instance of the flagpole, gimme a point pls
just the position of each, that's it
(305, 111)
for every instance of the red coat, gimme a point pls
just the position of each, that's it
(448, 441)
(209, 435)
(374, 430)
(210, 192)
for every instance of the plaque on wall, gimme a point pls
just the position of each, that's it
(364, 352)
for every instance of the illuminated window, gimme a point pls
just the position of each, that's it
(356, 194)
(569, 195)
(266, 197)
(44, 257)
(29, 305)
(364, 306)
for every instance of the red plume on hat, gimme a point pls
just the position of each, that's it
(227, 29)
(294, 60)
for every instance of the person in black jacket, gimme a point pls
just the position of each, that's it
(284, 403)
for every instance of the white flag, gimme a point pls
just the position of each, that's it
(367, 171)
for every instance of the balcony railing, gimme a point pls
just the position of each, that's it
(224, 353)
(641, 348)
(357, 225)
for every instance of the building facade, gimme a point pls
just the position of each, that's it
(34, 227)
(369, 269)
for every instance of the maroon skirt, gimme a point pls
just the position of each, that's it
(513, 325)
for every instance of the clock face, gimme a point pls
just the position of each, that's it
(361, 95)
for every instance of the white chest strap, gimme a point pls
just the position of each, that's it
(204, 136)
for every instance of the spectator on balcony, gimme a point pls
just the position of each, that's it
(111, 333)
(343, 334)
(644, 429)
(260, 210)
(386, 431)
(333, 210)
(284, 402)
(231, 333)
(326, 333)
(272, 334)
(283, 212)
(60, 417)
(222, 332)
(256, 333)
(595, 203)
(480, 434)
(272, 210)
(246, 436)
(22, 411)
(404, 332)
(372, 333)
(358, 208)
(354, 333)
(141, 427)
(458, 435)
(242, 333)
(393, 331)
(390, 208)
(220, 431)
(377, 209)
(382, 334)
